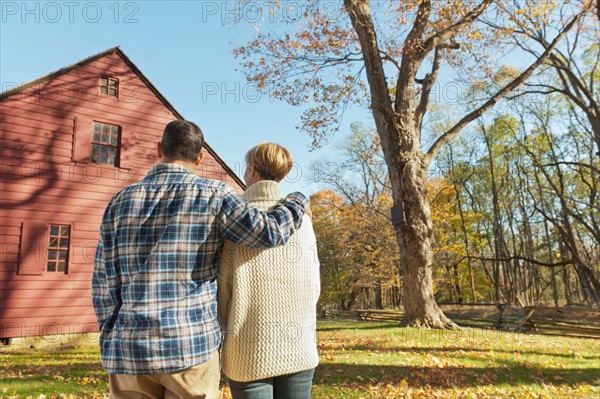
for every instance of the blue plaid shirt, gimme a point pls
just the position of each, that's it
(154, 285)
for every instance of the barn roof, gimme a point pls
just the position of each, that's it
(144, 79)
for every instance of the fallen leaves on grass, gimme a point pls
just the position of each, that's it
(93, 395)
(395, 363)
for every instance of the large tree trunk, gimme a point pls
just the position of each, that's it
(414, 238)
(566, 275)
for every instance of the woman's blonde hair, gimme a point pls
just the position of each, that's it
(271, 161)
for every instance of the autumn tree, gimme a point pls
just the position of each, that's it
(337, 278)
(458, 173)
(357, 249)
(389, 58)
(455, 278)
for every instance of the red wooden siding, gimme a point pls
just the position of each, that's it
(46, 178)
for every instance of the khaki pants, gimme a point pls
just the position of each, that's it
(201, 382)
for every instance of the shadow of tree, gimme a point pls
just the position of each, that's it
(451, 376)
(465, 352)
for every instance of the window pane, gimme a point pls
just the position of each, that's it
(112, 83)
(53, 242)
(103, 81)
(105, 128)
(112, 155)
(104, 137)
(52, 254)
(95, 153)
(104, 155)
(103, 90)
(51, 266)
(114, 138)
(97, 127)
(62, 266)
(64, 230)
(62, 255)
(112, 92)
(53, 230)
(64, 242)
(114, 129)
(97, 136)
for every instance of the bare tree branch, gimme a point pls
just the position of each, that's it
(412, 57)
(453, 30)
(453, 132)
(360, 15)
(517, 257)
(428, 83)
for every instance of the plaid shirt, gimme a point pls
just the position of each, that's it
(154, 285)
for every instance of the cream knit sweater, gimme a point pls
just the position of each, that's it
(267, 300)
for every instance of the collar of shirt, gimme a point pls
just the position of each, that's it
(168, 168)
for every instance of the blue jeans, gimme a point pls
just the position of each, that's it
(290, 386)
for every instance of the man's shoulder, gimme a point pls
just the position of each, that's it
(217, 186)
(209, 183)
(202, 183)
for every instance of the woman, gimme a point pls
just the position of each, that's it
(267, 298)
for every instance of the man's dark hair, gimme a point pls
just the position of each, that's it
(182, 140)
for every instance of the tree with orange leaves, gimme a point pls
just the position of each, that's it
(357, 269)
(388, 57)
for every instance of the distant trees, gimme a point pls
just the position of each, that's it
(455, 277)
(359, 258)
(530, 179)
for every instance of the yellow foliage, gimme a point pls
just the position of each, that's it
(356, 242)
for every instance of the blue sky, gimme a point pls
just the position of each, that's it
(184, 48)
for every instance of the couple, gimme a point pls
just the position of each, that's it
(154, 286)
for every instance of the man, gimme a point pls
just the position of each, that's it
(155, 275)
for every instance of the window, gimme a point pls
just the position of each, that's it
(105, 144)
(109, 86)
(58, 248)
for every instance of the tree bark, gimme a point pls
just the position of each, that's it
(415, 239)
(378, 297)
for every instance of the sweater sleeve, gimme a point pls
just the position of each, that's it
(225, 283)
(314, 257)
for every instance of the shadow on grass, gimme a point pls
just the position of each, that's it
(79, 368)
(451, 376)
(359, 326)
(451, 350)
(102, 378)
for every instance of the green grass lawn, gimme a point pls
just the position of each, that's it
(367, 360)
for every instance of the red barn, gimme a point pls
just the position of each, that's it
(70, 140)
